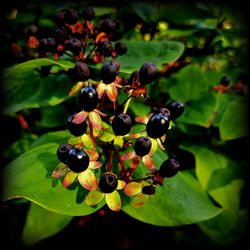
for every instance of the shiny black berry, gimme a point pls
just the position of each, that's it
(77, 160)
(169, 168)
(31, 30)
(225, 81)
(88, 98)
(63, 152)
(62, 34)
(165, 112)
(108, 25)
(157, 125)
(148, 73)
(109, 71)
(108, 182)
(47, 45)
(176, 109)
(76, 129)
(122, 124)
(88, 13)
(81, 71)
(71, 16)
(74, 45)
(121, 48)
(142, 146)
(150, 190)
(134, 77)
(105, 48)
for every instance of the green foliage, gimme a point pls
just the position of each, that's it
(157, 52)
(42, 223)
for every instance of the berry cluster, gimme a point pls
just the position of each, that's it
(96, 133)
(77, 35)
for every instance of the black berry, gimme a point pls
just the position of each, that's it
(78, 160)
(47, 45)
(225, 81)
(88, 13)
(148, 73)
(74, 45)
(121, 48)
(176, 109)
(63, 152)
(88, 98)
(157, 125)
(109, 71)
(71, 16)
(105, 48)
(122, 124)
(134, 77)
(76, 129)
(108, 25)
(108, 182)
(169, 168)
(150, 190)
(81, 71)
(165, 112)
(142, 146)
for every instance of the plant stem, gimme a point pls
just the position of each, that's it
(87, 56)
(91, 134)
(122, 164)
(127, 104)
(110, 161)
(102, 100)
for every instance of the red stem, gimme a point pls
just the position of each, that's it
(91, 133)
(110, 161)
(122, 164)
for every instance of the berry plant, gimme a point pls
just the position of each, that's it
(125, 110)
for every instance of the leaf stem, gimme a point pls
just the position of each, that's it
(127, 104)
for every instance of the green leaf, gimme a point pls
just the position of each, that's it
(219, 175)
(174, 203)
(32, 91)
(29, 177)
(59, 137)
(188, 84)
(222, 101)
(146, 11)
(201, 111)
(28, 66)
(139, 108)
(42, 223)
(233, 123)
(226, 228)
(157, 52)
(54, 116)
(118, 142)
